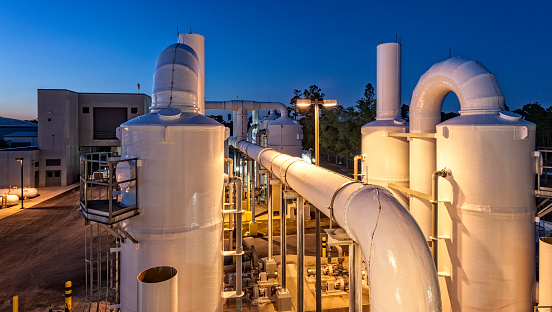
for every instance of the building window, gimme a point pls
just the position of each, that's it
(86, 110)
(134, 110)
(106, 121)
(37, 164)
(53, 162)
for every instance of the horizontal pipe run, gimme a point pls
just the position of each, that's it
(401, 271)
(235, 105)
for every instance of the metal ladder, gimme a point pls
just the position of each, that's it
(102, 267)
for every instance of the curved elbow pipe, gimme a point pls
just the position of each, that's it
(477, 90)
(235, 105)
(401, 273)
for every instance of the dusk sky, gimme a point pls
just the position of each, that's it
(263, 50)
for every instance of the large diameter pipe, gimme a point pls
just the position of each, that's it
(388, 84)
(401, 272)
(235, 105)
(158, 290)
(477, 90)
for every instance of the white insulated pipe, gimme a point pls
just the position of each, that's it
(197, 43)
(401, 273)
(388, 87)
(477, 90)
(235, 105)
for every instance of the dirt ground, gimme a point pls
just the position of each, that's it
(41, 248)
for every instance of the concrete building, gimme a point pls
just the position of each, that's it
(70, 124)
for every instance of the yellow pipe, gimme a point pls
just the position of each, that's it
(15, 303)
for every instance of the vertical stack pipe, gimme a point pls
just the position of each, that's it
(386, 158)
(197, 42)
(180, 182)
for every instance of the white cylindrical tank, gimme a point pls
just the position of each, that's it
(285, 136)
(488, 226)
(180, 182)
(386, 158)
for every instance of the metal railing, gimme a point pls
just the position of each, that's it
(104, 178)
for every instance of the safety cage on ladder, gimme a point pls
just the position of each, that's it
(108, 187)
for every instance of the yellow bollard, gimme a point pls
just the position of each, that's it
(68, 295)
(15, 303)
(323, 246)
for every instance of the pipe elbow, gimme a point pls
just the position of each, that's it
(475, 86)
(400, 267)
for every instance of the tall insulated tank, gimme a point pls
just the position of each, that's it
(285, 135)
(488, 227)
(386, 158)
(180, 182)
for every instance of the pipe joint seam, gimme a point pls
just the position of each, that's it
(332, 219)
(346, 209)
(284, 175)
(261, 153)
(272, 162)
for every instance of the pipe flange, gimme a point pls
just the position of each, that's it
(264, 150)
(333, 198)
(272, 162)
(295, 159)
(346, 210)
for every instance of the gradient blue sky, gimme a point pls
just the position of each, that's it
(260, 50)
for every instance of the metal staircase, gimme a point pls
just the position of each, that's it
(104, 179)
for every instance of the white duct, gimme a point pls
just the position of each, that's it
(197, 43)
(240, 125)
(158, 290)
(478, 92)
(545, 273)
(248, 105)
(388, 81)
(401, 273)
(175, 79)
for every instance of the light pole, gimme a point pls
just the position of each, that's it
(316, 103)
(326, 103)
(20, 160)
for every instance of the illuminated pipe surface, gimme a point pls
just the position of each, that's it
(401, 273)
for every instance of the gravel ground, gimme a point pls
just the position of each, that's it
(41, 248)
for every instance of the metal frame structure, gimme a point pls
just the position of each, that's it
(98, 172)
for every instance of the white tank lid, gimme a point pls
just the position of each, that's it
(169, 113)
(510, 116)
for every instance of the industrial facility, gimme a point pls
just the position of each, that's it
(69, 124)
(439, 217)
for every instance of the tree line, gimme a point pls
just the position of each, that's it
(340, 127)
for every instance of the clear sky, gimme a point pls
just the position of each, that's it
(263, 50)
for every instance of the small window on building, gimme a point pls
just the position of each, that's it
(86, 110)
(57, 174)
(53, 162)
(49, 174)
(49, 119)
(134, 110)
(37, 164)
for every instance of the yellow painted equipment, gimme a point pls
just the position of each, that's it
(68, 295)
